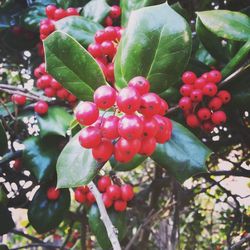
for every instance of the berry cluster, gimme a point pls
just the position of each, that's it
(112, 194)
(137, 130)
(54, 14)
(114, 14)
(50, 86)
(201, 101)
(104, 49)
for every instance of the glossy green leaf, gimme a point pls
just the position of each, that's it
(179, 9)
(184, 155)
(7, 222)
(226, 24)
(96, 10)
(157, 50)
(76, 165)
(98, 229)
(45, 214)
(71, 3)
(3, 140)
(137, 161)
(70, 64)
(80, 28)
(40, 156)
(204, 56)
(9, 106)
(55, 122)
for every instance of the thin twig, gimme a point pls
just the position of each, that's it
(30, 237)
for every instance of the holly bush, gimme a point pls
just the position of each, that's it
(122, 122)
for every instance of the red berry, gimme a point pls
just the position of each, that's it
(41, 107)
(120, 157)
(84, 189)
(150, 126)
(196, 95)
(130, 127)
(165, 129)
(62, 93)
(42, 68)
(103, 183)
(87, 113)
(128, 148)
(46, 80)
(37, 72)
(53, 193)
(186, 89)
(72, 12)
(80, 196)
(150, 104)
(192, 121)
(120, 205)
(59, 14)
(128, 100)
(208, 126)
(46, 29)
(189, 77)
(214, 76)
(200, 83)
(225, 96)
(205, 76)
(110, 70)
(103, 151)
(55, 84)
(71, 98)
(105, 97)
(110, 33)
(185, 103)
(115, 11)
(114, 192)
(219, 117)
(204, 114)
(99, 122)
(210, 89)
(108, 48)
(18, 99)
(127, 192)
(100, 36)
(106, 200)
(148, 146)
(90, 137)
(109, 127)
(50, 11)
(90, 198)
(141, 84)
(163, 107)
(215, 103)
(95, 50)
(39, 84)
(50, 92)
(17, 164)
(108, 21)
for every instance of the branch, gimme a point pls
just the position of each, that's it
(111, 230)
(30, 237)
(241, 242)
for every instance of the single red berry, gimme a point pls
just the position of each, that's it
(128, 100)
(59, 14)
(72, 12)
(186, 89)
(130, 127)
(148, 146)
(17, 165)
(45, 30)
(208, 126)
(185, 103)
(55, 84)
(127, 192)
(204, 114)
(50, 11)
(41, 107)
(189, 77)
(87, 113)
(42, 68)
(108, 48)
(165, 129)
(110, 70)
(37, 72)
(163, 107)
(53, 193)
(192, 121)
(120, 205)
(109, 127)
(110, 33)
(50, 92)
(210, 89)
(18, 99)
(39, 84)
(80, 196)
(200, 83)
(114, 192)
(100, 36)
(103, 151)
(225, 96)
(128, 148)
(108, 21)
(219, 117)
(196, 95)
(46, 80)
(214, 76)
(62, 93)
(103, 183)
(140, 83)
(205, 76)
(106, 200)
(90, 137)
(150, 126)
(115, 11)
(150, 104)
(84, 189)
(95, 50)
(215, 103)
(120, 157)
(90, 197)
(71, 98)
(105, 97)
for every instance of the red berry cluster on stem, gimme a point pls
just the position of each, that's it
(113, 16)
(201, 101)
(138, 128)
(104, 49)
(112, 194)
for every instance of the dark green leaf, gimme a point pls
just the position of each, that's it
(156, 50)
(70, 64)
(179, 9)
(9, 106)
(3, 140)
(226, 24)
(203, 56)
(7, 222)
(80, 28)
(98, 229)
(45, 214)
(75, 166)
(55, 122)
(184, 155)
(71, 3)
(40, 156)
(96, 10)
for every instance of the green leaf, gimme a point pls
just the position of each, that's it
(98, 229)
(3, 140)
(204, 56)
(137, 160)
(45, 214)
(184, 155)
(75, 165)
(226, 24)
(96, 10)
(7, 222)
(70, 64)
(55, 122)
(157, 50)
(179, 9)
(71, 3)
(40, 156)
(80, 28)
(9, 106)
